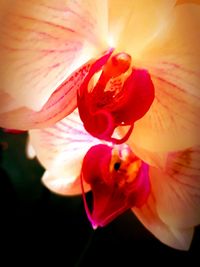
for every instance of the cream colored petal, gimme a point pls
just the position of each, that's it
(172, 123)
(42, 42)
(60, 104)
(174, 237)
(61, 184)
(154, 159)
(135, 24)
(60, 149)
(30, 151)
(177, 189)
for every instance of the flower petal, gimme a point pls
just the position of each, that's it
(177, 189)
(172, 123)
(134, 24)
(43, 42)
(62, 102)
(60, 149)
(59, 184)
(30, 151)
(154, 159)
(7, 103)
(173, 237)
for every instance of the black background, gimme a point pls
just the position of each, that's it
(40, 226)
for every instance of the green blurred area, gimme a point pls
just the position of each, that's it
(25, 174)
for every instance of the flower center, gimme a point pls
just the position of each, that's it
(115, 66)
(121, 96)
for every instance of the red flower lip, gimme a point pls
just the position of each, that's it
(116, 184)
(108, 104)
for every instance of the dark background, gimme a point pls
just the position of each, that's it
(37, 224)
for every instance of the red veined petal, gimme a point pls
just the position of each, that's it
(61, 103)
(60, 149)
(172, 209)
(178, 238)
(179, 185)
(117, 183)
(43, 42)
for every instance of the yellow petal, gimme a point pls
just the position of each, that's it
(174, 237)
(42, 42)
(60, 149)
(177, 189)
(135, 24)
(172, 123)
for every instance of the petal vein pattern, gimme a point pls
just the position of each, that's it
(179, 185)
(43, 42)
(60, 149)
(61, 103)
(173, 207)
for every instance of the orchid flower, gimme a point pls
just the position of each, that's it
(133, 72)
